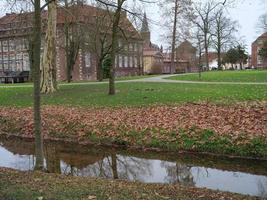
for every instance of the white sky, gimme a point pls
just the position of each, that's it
(246, 12)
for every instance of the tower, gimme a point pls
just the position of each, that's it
(145, 32)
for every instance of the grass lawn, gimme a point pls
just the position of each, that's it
(16, 185)
(135, 94)
(226, 76)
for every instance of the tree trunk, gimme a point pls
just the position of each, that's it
(206, 52)
(39, 150)
(30, 52)
(114, 47)
(219, 59)
(219, 52)
(99, 70)
(68, 68)
(199, 64)
(174, 37)
(114, 166)
(48, 67)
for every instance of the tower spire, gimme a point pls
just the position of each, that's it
(145, 27)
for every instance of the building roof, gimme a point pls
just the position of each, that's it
(82, 14)
(262, 36)
(186, 45)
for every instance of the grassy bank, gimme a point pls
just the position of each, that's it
(16, 185)
(225, 76)
(135, 94)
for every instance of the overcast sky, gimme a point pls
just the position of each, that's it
(246, 12)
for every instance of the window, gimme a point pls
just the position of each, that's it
(5, 61)
(88, 60)
(11, 45)
(26, 63)
(18, 65)
(19, 44)
(130, 61)
(135, 62)
(12, 62)
(120, 61)
(5, 46)
(259, 59)
(24, 44)
(125, 61)
(0, 48)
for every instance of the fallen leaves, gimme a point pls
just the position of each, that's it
(127, 124)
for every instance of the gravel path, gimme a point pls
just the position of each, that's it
(155, 79)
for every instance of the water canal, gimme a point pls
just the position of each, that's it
(233, 175)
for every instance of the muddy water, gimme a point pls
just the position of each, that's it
(233, 175)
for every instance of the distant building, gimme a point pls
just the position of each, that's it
(152, 53)
(15, 32)
(186, 52)
(256, 60)
(184, 60)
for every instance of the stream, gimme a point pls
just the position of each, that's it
(233, 175)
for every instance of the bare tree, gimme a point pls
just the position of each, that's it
(72, 35)
(198, 40)
(176, 11)
(222, 33)
(204, 18)
(98, 36)
(262, 23)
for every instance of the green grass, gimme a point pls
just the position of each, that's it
(135, 94)
(225, 76)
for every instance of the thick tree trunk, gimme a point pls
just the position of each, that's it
(48, 67)
(39, 150)
(172, 67)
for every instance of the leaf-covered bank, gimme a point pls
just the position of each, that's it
(239, 130)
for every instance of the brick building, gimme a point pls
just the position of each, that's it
(184, 60)
(256, 60)
(15, 32)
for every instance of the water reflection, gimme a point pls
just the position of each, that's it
(246, 177)
(178, 173)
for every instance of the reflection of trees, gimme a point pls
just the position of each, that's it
(262, 188)
(178, 173)
(52, 158)
(117, 166)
